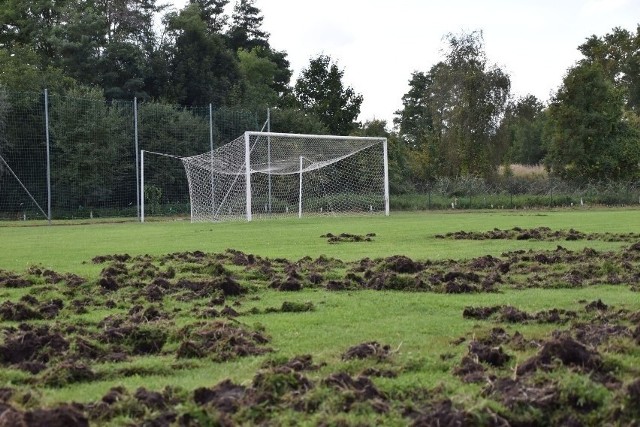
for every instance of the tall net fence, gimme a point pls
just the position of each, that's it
(295, 175)
(23, 160)
(93, 148)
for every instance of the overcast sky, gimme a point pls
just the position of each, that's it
(379, 43)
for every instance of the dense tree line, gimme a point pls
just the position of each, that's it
(458, 118)
(198, 55)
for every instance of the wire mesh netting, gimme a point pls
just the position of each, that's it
(93, 161)
(289, 174)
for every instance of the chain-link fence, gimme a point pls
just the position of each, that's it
(66, 157)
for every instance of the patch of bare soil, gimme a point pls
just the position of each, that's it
(510, 314)
(358, 389)
(221, 341)
(348, 237)
(445, 413)
(539, 233)
(62, 416)
(12, 280)
(31, 345)
(366, 350)
(402, 264)
(566, 351)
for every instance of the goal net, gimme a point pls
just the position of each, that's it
(265, 174)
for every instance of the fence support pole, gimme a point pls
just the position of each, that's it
(213, 188)
(46, 121)
(141, 185)
(135, 137)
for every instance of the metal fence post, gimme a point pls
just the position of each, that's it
(46, 121)
(135, 138)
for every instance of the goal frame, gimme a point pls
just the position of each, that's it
(268, 135)
(259, 156)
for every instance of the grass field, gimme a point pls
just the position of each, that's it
(67, 247)
(422, 361)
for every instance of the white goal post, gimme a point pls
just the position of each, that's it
(266, 174)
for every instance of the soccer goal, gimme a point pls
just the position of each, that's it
(266, 174)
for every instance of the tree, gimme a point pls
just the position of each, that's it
(201, 68)
(520, 133)
(212, 14)
(618, 53)
(245, 32)
(588, 137)
(257, 77)
(415, 119)
(320, 91)
(22, 71)
(31, 23)
(294, 120)
(451, 114)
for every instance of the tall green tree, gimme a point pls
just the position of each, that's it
(618, 54)
(212, 13)
(30, 23)
(451, 114)
(415, 120)
(520, 133)
(319, 90)
(201, 67)
(246, 27)
(588, 137)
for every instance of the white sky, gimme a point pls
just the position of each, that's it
(379, 43)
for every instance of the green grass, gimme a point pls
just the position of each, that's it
(71, 247)
(419, 326)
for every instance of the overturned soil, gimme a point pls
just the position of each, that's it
(192, 309)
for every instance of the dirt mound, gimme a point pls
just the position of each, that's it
(137, 339)
(596, 305)
(348, 237)
(32, 345)
(469, 370)
(226, 396)
(53, 277)
(358, 389)
(296, 363)
(565, 350)
(366, 350)
(101, 259)
(597, 334)
(150, 399)
(11, 280)
(539, 233)
(62, 416)
(512, 314)
(221, 341)
(443, 413)
(402, 264)
(480, 313)
(291, 284)
(516, 393)
(493, 356)
(69, 372)
(17, 312)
